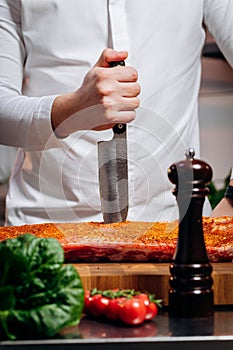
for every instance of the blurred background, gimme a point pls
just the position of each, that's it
(216, 112)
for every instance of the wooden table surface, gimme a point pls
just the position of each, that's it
(151, 277)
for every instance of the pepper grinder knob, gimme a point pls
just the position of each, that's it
(191, 293)
(190, 175)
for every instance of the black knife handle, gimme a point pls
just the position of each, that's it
(117, 63)
(118, 128)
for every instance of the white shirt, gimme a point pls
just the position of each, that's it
(7, 157)
(47, 47)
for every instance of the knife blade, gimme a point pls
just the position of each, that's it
(113, 173)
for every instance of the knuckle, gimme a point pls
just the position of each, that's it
(134, 103)
(104, 88)
(108, 115)
(128, 117)
(100, 74)
(137, 102)
(106, 52)
(131, 116)
(134, 74)
(136, 89)
(107, 103)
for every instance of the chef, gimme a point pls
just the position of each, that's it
(59, 98)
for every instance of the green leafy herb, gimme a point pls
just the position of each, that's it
(38, 294)
(215, 195)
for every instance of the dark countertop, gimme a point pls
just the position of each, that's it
(162, 333)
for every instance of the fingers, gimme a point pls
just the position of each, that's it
(122, 74)
(120, 112)
(118, 117)
(124, 117)
(124, 104)
(104, 127)
(125, 74)
(114, 90)
(109, 55)
(117, 73)
(130, 89)
(130, 104)
(122, 80)
(117, 90)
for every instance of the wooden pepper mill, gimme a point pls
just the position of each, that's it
(190, 293)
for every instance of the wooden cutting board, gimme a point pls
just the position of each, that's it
(153, 278)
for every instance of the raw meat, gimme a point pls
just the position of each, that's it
(130, 241)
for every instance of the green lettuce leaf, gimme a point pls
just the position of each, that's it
(38, 294)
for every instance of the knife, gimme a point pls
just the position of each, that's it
(113, 173)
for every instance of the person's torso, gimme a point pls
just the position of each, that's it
(63, 40)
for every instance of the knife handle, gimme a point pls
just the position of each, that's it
(118, 128)
(117, 63)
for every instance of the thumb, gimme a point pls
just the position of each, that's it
(109, 55)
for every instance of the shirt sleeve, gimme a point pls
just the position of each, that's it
(25, 121)
(218, 17)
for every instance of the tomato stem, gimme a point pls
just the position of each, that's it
(124, 293)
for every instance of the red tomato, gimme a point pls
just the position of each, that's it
(151, 311)
(112, 309)
(151, 308)
(132, 311)
(87, 298)
(142, 296)
(98, 304)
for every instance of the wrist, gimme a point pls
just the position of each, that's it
(63, 107)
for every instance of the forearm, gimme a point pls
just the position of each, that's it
(71, 113)
(68, 114)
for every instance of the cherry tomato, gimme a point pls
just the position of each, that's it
(127, 306)
(151, 307)
(132, 311)
(87, 298)
(151, 311)
(112, 310)
(142, 296)
(98, 304)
